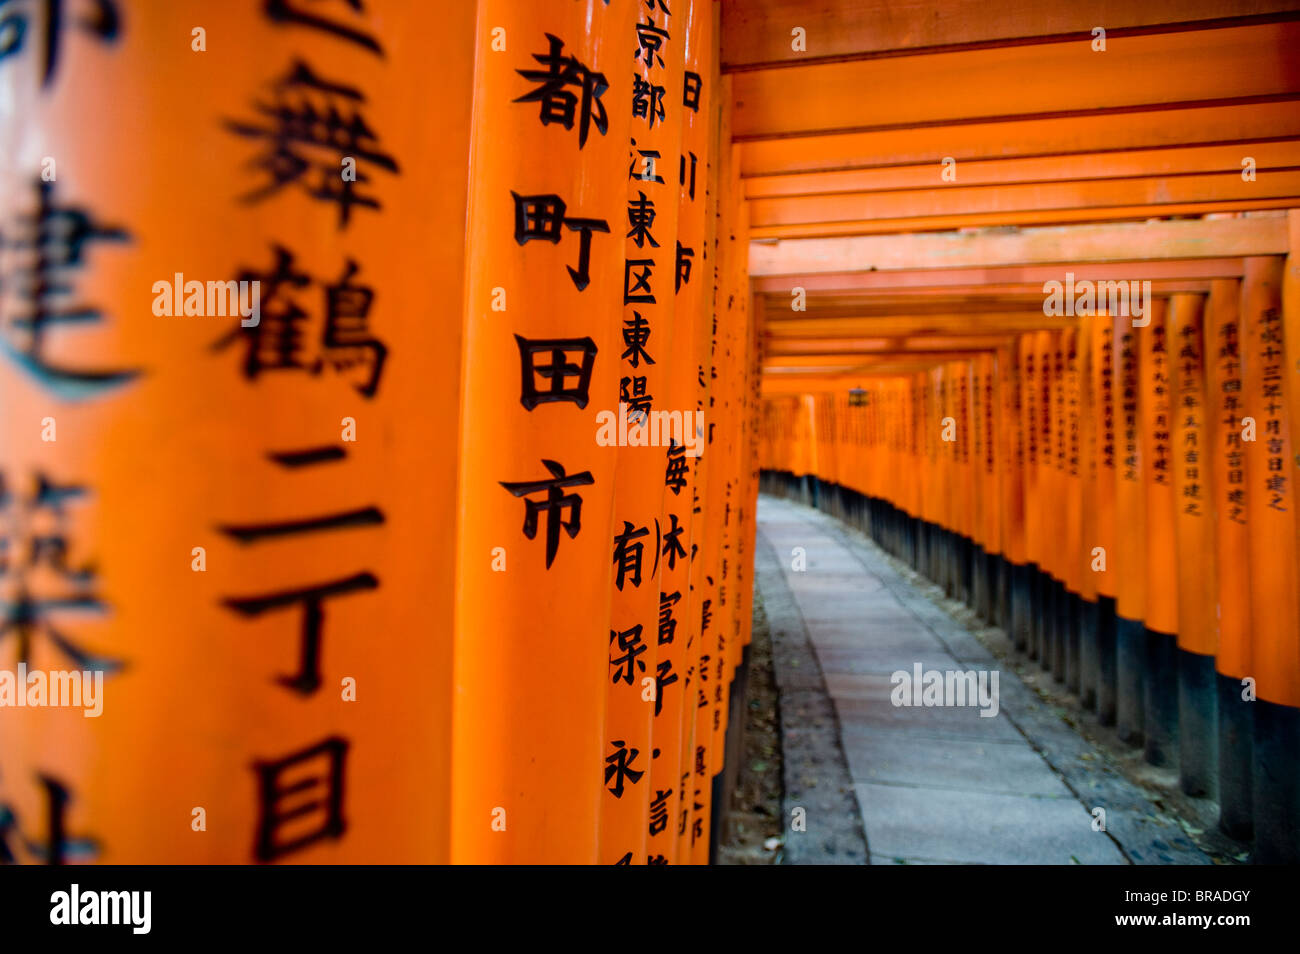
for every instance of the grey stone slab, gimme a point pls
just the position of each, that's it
(896, 630)
(896, 860)
(955, 764)
(830, 639)
(848, 584)
(867, 707)
(881, 660)
(980, 827)
(856, 618)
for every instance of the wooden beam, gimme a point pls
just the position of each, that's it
(758, 32)
(793, 384)
(1021, 219)
(970, 303)
(1107, 133)
(1009, 277)
(943, 325)
(985, 248)
(840, 307)
(808, 362)
(1133, 164)
(860, 346)
(974, 297)
(1204, 67)
(940, 200)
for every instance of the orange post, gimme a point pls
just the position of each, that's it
(1275, 599)
(731, 307)
(545, 244)
(1099, 542)
(693, 792)
(1057, 504)
(1074, 565)
(676, 602)
(644, 543)
(1233, 659)
(1197, 575)
(1011, 451)
(1030, 417)
(240, 529)
(1129, 558)
(1161, 669)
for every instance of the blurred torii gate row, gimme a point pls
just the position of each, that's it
(1117, 492)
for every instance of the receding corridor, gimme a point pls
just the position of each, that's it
(940, 783)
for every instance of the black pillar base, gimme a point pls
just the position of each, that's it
(1198, 724)
(1021, 609)
(1060, 625)
(1107, 660)
(1130, 656)
(1037, 612)
(922, 548)
(1001, 593)
(964, 559)
(1276, 784)
(1160, 698)
(1236, 759)
(979, 581)
(1073, 609)
(1089, 648)
(949, 568)
(1047, 644)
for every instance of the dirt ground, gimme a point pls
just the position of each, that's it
(753, 826)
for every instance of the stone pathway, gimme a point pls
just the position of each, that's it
(934, 784)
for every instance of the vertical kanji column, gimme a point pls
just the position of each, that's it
(930, 443)
(1086, 452)
(1057, 504)
(643, 545)
(548, 201)
(730, 310)
(1045, 498)
(1074, 564)
(1129, 558)
(989, 552)
(946, 460)
(1030, 396)
(964, 499)
(1011, 450)
(692, 794)
(692, 278)
(1233, 660)
(1100, 542)
(1289, 734)
(1160, 677)
(736, 584)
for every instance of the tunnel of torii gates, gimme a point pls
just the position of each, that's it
(389, 575)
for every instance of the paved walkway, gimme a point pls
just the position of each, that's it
(937, 784)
